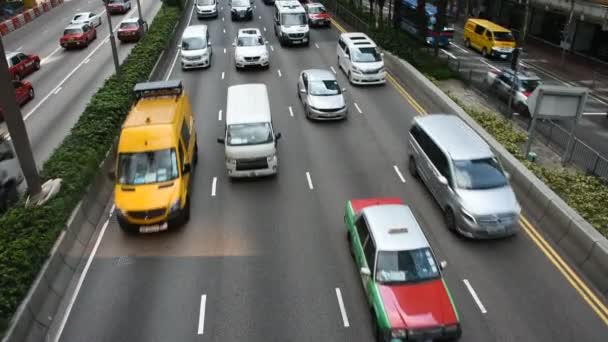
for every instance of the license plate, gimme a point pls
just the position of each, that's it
(153, 228)
(503, 56)
(297, 41)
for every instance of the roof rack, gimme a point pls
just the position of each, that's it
(158, 88)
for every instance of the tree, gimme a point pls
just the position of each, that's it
(371, 11)
(381, 12)
(440, 20)
(422, 19)
(524, 26)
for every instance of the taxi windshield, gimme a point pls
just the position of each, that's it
(68, 32)
(147, 167)
(406, 266)
(128, 25)
(316, 10)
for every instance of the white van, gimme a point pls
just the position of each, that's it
(249, 137)
(291, 23)
(195, 47)
(360, 59)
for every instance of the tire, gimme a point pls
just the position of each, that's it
(467, 43)
(450, 220)
(412, 167)
(37, 65)
(31, 93)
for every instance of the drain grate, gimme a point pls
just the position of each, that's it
(124, 260)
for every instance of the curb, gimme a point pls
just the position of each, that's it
(580, 241)
(30, 15)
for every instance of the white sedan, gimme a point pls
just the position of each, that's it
(87, 18)
(250, 49)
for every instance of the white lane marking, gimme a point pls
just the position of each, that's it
(316, 45)
(86, 61)
(264, 29)
(222, 18)
(255, 6)
(213, 186)
(172, 64)
(358, 109)
(201, 316)
(224, 30)
(45, 31)
(224, 50)
(488, 64)
(458, 47)
(43, 60)
(223, 75)
(332, 69)
(309, 181)
(399, 173)
(57, 91)
(279, 72)
(448, 53)
(19, 48)
(64, 319)
(342, 309)
(595, 113)
(271, 48)
(191, 13)
(219, 115)
(260, 17)
(290, 111)
(474, 295)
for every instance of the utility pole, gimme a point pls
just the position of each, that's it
(524, 28)
(515, 80)
(566, 33)
(141, 17)
(112, 41)
(16, 127)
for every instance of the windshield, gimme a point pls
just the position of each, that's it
(240, 3)
(116, 1)
(316, 10)
(193, 43)
(529, 85)
(72, 31)
(128, 25)
(479, 174)
(324, 88)
(80, 17)
(504, 36)
(250, 41)
(293, 19)
(406, 266)
(205, 2)
(147, 167)
(249, 134)
(366, 55)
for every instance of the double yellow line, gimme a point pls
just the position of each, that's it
(577, 283)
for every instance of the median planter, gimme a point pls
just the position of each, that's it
(27, 235)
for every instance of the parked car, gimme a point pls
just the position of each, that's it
(130, 30)
(407, 295)
(86, 18)
(21, 64)
(321, 95)
(250, 49)
(78, 35)
(317, 15)
(501, 82)
(118, 6)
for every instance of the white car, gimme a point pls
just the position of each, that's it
(89, 18)
(250, 49)
(206, 9)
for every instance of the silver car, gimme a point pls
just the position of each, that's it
(464, 176)
(321, 95)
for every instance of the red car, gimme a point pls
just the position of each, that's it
(78, 35)
(119, 6)
(24, 92)
(21, 65)
(317, 15)
(130, 30)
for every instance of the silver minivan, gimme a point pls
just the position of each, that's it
(464, 177)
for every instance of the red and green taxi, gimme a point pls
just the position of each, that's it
(403, 282)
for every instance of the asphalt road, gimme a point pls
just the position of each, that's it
(261, 260)
(67, 78)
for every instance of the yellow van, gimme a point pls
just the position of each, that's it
(490, 39)
(156, 152)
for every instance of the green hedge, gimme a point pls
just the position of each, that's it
(27, 235)
(588, 195)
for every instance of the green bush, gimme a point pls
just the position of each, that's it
(27, 235)
(588, 195)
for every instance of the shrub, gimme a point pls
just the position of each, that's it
(27, 235)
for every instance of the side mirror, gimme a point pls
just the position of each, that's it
(365, 271)
(443, 264)
(303, 91)
(507, 175)
(347, 56)
(278, 136)
(221, 140)
(187, 168)
(442, 180)
(112, 175)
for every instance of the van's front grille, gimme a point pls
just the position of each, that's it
(251, 164)
(147, 214)
(296, 35)
(372, 72)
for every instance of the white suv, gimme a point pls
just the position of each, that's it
(250, 49)
(359, 58)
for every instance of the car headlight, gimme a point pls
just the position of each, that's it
(265, 54)
(355, 69)
(468, 216)
(270, 158)
(399, 333)
(176, 206)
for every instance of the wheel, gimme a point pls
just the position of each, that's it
(467, 43)
(484, 52)
(31, 93)
(450, 220)
(37, 65)
(412, 167)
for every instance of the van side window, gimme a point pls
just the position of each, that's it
(341, 43)
(182, 161)
(185, 134)
(432, 151)
(479, 29)
(489, 35)
(305, 80)
(362, 229)
(370, 253)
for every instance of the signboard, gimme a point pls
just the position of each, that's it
(557, 102)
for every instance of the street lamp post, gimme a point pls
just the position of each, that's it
(16, 128)
(141, 17)
(112, 41)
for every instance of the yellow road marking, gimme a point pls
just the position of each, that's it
(577, 283)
